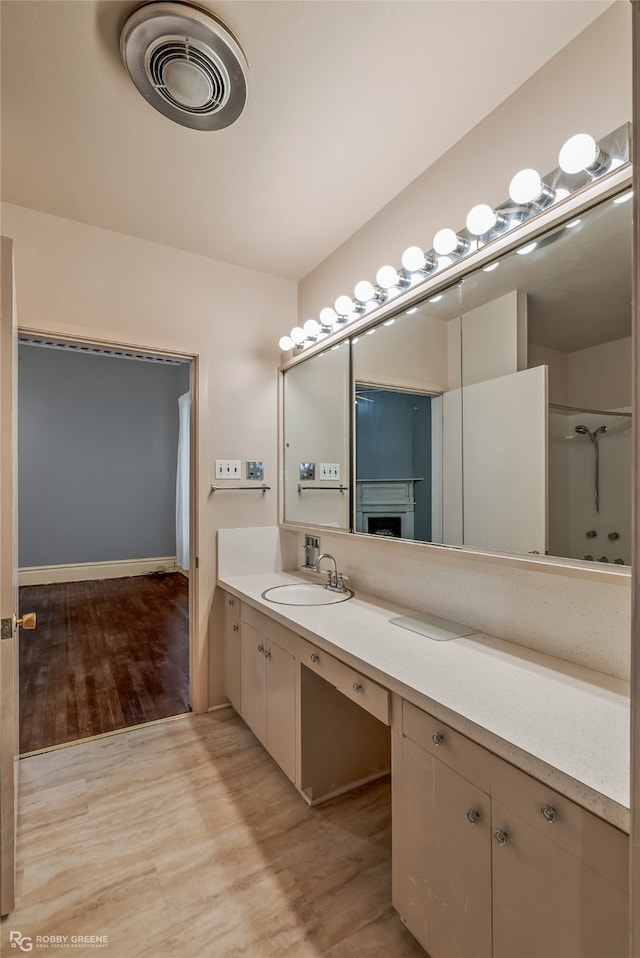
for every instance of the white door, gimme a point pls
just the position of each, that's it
(8, 583)
(504, 454)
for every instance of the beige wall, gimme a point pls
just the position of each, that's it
(491, 339)
(600, 377)
(410, 354)
(586, 87)
(81, 281)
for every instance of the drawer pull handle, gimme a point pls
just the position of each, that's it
(231, 602)
(549, 813)
(261, 648)
(438, 738)
(357, 687)
(501, 836)
(473, 816)
(314, 657)
(267, 653)
(236, 628)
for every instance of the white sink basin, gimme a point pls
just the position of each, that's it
(304, 593)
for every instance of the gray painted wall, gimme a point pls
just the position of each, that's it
(97, 448)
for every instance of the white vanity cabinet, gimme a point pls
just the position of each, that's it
(232, 650)
(299, 701)
(489, 861)
(441, 836)
(560, 874)
(268, 685)
(344, 726)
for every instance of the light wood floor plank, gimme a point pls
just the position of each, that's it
(185, 840)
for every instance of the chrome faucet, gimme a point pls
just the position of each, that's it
(335, 579)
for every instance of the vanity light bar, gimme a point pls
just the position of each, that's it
(580, 161)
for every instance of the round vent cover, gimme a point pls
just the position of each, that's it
(186, 64)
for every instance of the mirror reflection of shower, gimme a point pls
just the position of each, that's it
(593, 436)
(578, 527)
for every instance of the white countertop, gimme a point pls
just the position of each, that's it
(565, 724)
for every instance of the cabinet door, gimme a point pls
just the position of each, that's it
(281, 708)
(232, 651)
(442, 834)
(547, 903)
(253, 680)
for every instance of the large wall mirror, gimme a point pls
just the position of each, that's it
(316, 458)
(493, 414)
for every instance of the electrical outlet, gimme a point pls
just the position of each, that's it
(255, 469)
(311, 551)
(228, 468)
(329, 470)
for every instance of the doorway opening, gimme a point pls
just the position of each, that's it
(105, 520)
(395, 462)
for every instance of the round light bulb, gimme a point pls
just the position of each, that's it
(364, 291)
(413, 259)
(481, 219)
(387, 277)
(578, 153)
(445, 242)
(328, 316)
(298, 335)
(526, 187)
(344, 305)
(312, 327)
(286, 343)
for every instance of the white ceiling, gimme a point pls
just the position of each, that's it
(349, 101)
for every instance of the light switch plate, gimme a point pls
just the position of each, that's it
(228, 468)
(329, 470)
(255, 469)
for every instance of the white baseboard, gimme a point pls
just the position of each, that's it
(85, 571)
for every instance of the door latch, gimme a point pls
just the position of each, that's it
(10, 624)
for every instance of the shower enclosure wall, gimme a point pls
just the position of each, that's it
(576, 527)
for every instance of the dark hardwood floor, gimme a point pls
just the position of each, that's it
(105, 655)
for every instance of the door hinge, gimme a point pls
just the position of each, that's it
(7, 628)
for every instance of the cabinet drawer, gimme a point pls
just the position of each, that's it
(598, 844)
(268, 627)
(458, 752)
(369, 695)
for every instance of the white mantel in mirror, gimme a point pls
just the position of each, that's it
(581, 615)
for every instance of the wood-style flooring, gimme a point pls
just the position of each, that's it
(106, 654)
(185, 840)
